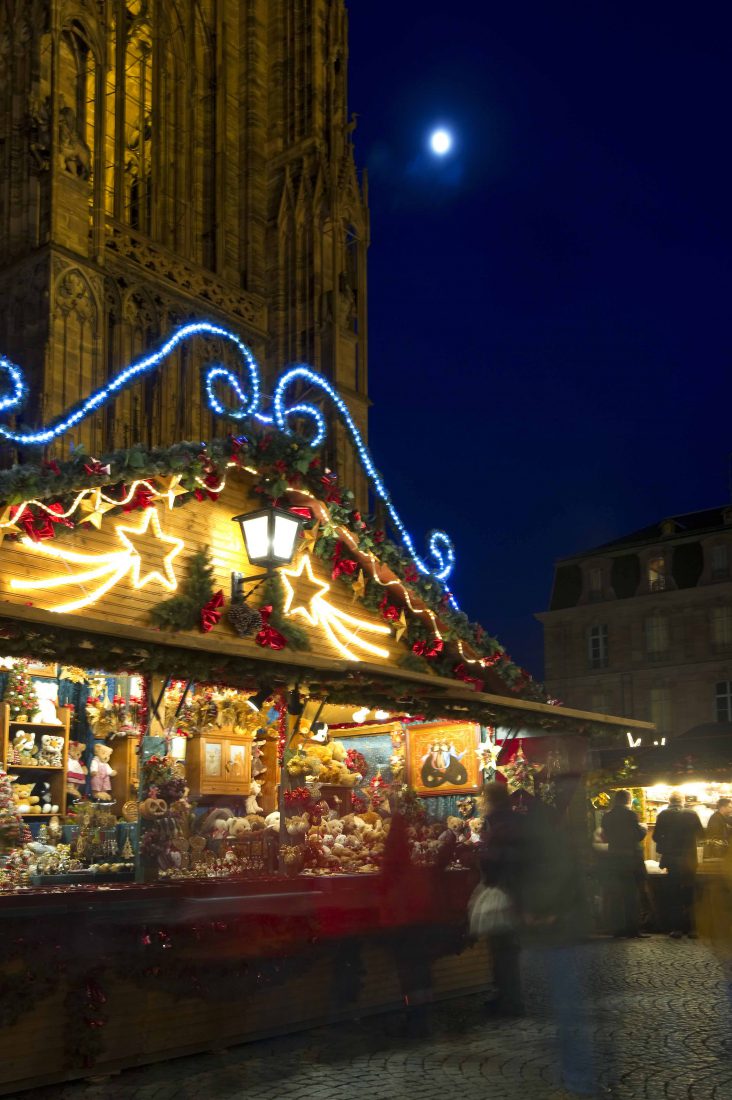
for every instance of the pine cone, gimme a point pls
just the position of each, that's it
(244, 619)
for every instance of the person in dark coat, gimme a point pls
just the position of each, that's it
(502, 857)
(626, 869)
(719, 830)
(676, 835)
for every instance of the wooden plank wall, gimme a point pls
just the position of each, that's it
(199, 524)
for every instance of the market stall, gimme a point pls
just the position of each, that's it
(220, 679)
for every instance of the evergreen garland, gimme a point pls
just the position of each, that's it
(273, 595)
(183, 611)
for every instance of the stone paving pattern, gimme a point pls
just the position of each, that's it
(658, 1012)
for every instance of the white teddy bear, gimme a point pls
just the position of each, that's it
(252, 806)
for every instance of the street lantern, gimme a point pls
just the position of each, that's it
(270, 538)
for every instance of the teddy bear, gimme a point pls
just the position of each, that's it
(272, 821)
(47, 805)
(215, 824)
(252, 805)
(52, 747)
(297, 825)
(76, 770)
(101, 772)
(25, 802)
(24, 748)
(237, 826)
(46, 693)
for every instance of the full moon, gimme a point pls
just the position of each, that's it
(441, 142)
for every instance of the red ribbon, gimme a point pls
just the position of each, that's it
(142, 498)
(390, 613)
(35, 527)
(53, 466)
(429, 649)
(268, 637)
(211, 612)
(460, 672)
(304, 512)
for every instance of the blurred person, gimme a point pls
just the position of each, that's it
(676, 835)
(557, 924)
(502, 859)
(406, 898)
(719, 830)
(625, 866)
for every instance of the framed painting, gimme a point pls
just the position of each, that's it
(442, 758)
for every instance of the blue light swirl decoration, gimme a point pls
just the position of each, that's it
(441, 549)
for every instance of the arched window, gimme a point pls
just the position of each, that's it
(138, 133)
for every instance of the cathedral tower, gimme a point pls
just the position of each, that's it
(170, 160)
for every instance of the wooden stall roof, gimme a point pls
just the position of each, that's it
(179, 654)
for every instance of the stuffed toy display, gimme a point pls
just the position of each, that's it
(252, 806)
(101, 773)
(52, 750)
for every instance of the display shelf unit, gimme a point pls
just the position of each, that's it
(27, 773)
(219, 762)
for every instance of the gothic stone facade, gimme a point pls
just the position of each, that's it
(643, 626)
(170, 160)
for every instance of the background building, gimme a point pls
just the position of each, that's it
(643, 625)
(168, 160)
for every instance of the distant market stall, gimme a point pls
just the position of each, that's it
(221, 678)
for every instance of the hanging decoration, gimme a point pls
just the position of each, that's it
(520, 775)
(185, 610)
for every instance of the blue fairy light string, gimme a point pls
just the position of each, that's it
(250, 406)
(440, 546)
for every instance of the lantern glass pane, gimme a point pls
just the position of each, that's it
(256, 537)
(285, 533)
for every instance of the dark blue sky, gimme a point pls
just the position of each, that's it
(549, 334)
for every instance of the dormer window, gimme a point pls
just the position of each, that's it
(595, 584)
(657, 574)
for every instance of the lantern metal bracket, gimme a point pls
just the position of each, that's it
(238, 580)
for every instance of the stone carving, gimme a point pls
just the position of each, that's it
(73, 295)
(74, 151)
(39, 129)
(183, 276)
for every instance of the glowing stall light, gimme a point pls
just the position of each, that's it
(109, 568)
(306, 597)
(441, 548)
(250, 406)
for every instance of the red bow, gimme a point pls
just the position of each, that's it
(141, 498)
(93, 466)
(342, 566)
(411, 576)
(390, 613)
(460, 672)
(35, 528)
(211, 612)
(53, 466)
(55, 514)
(429, 649)
(268, 637)
(304, 512)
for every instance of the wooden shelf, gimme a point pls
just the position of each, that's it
(35, 767)
(38, 725)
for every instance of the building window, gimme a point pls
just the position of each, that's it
(724, 701)
(660, 708)
(597, 647)
(599, 701)
(657, 574)
(720, 563)
(722, 626)
(595, 579)
(656, 635)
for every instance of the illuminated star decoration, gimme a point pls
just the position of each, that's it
(306, 597)
(519, 773)
(147, 556)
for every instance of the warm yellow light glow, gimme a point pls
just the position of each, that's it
(142, 558)
(341, 629)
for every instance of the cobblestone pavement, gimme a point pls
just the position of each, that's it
(657, 1011)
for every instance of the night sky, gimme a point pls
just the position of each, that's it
(549, 307)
